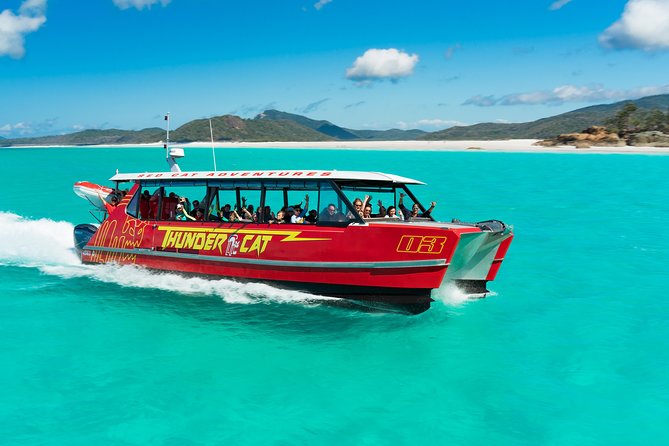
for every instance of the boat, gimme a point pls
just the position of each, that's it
(377, 260)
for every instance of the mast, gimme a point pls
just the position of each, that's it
(172, 154)
(213, 153)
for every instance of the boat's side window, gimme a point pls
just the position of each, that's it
(333, 210)
(247, 207)
(179, 202)
(133, 207)
(304, 204)
(275, 206)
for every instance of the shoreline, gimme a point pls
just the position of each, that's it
(501, 146)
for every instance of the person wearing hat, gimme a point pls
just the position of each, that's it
(181, 213)
(299, 213)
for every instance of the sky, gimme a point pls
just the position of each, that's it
(69, 65)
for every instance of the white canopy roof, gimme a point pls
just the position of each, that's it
(265, 175)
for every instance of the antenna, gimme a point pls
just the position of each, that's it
(167, 138)
(213, 153)
(171, 155)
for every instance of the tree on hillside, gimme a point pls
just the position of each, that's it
(621, 121)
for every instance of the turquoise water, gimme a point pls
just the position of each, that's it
(570, 350)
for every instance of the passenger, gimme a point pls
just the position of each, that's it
(226, 211)
(196, 207)
(109, 206)
(330, 213)
(392, 213)
(298, 216)
(367, 212)
(359, 206)
(181, 213)
(247, 215)
(312, 217)
(144, 205)
(289, 213)
(185, 203)
(280, 217)
(415, 209)
(199, 215)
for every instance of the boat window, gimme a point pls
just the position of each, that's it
(409, 200)
(133, 207)
(275, 201)
(334, 208)
(193, 198)
(380, 198)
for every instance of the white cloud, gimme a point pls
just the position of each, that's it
(13, 27)
(138, 4)
(379, 64)
(26, 129)
(566, 93)
(321, 3)
(558, 4)
(643, 25)
(16, 130)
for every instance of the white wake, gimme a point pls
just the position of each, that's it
(48, 245)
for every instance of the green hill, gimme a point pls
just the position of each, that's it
(341, 133)
(573, 121)
(93, 137)
(234, 128)
(324, 127)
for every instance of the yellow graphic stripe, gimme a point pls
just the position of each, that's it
(289, 236)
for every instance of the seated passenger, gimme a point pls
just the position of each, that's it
(196, 207)
(280, 217)
(299, 213)
(392, 213)
(330, 213)
(109, 206)
(181, 213)
(415, 209)
(359, 206)
(226, 211)
(312, 217)
(367, 212)
(289, 213)
(246, 216)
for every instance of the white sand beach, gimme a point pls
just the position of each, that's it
(513, 145)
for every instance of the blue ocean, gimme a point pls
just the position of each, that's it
(571, 348)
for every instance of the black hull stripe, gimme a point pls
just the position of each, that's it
(279, 263)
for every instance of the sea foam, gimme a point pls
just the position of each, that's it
(48, 245)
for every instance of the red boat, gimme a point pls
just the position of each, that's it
(378, 259)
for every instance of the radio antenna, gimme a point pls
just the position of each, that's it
(171, 155)
(213, 152)
(167, 138)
